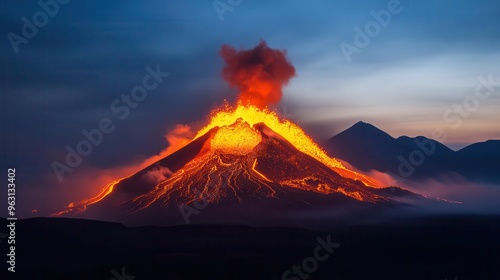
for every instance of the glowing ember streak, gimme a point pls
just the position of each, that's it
(82, 205)
(258, 173)
(355, 195)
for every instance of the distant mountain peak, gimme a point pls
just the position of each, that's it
(365, 125)
(361, 123)
(364, 130)
(366, 147)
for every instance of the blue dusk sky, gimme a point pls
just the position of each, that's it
(408, 67)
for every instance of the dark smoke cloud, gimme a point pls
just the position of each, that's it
(259, 73)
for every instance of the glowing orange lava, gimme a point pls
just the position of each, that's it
(227, 116)
(82, 205)
(260, 174)
(237, 139)
(214, 175)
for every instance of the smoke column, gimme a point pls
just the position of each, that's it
(259, 73)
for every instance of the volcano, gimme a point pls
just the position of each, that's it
(260, 165)
(246, 163)
(246, 160)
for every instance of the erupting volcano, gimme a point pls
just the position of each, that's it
(246, 153)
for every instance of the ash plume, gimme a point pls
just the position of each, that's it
(259, 73)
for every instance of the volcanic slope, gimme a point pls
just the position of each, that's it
(246, 171)
(269, 169)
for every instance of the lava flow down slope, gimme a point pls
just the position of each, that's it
(246, 164)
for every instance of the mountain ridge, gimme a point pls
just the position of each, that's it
(367, 147)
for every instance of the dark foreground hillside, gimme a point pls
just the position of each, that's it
(437, 248)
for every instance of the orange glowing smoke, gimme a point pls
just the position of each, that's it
(179, 137)
(259, 73)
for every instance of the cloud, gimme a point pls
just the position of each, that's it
(158, 175)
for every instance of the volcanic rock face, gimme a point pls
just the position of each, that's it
(260, 165)
(243, 172)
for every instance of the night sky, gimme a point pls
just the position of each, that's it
(65, 78)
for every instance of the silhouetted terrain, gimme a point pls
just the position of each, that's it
(368, 148)
(466, 247)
